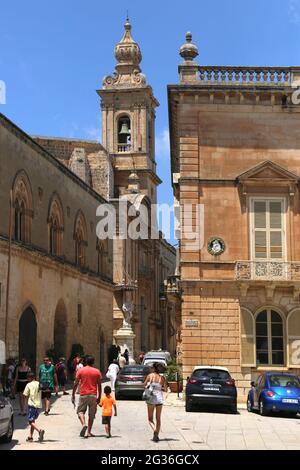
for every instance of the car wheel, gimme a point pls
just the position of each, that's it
(233, 409)
(249, 405)
(262, 410)
(188, 406)
(9, 435)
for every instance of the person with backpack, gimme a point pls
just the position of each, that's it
(48, 381)
(62, 375)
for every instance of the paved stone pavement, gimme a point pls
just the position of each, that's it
(180, 430)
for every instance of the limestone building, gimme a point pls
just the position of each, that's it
(235, 150)
(65, 285)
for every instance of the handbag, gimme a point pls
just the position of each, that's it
(148, 393)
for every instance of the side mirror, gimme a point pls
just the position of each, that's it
(253, 384)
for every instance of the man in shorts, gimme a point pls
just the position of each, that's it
(89, 379)
(48, 381)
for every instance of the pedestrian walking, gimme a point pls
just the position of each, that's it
(112, 373)
(126, 355)
(9, 378)
(62, 375)
(48, 382)
(155, 384)
(32, 392)
(108, 403)
(89, 379)
(122, 361)
(20, 383)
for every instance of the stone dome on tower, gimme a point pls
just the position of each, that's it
(129, 57)
(127, 51)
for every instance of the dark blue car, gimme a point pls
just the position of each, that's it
(275, 392)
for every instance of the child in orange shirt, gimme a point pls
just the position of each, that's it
(107, 403)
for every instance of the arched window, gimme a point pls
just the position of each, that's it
(101, 256)
(80, 237)
(269, 338)
(55, 223)
(124, 134)
(23, 208)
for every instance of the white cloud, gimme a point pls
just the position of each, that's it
(162, 144)
(294, 11)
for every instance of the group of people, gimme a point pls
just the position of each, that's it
(89, 378)
(33, 389)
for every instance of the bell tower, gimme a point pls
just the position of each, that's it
(128, 120)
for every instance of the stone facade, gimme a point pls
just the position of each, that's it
(67, 299)
(235, 150)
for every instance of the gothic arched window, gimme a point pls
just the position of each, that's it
(80, 237)
(55, 223)
(101, 256)
(23, 208)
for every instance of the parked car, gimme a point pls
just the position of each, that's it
(275, 392)
(211, 386)
(158, 355)
(150, 361)
(6, 419)
(130, 381)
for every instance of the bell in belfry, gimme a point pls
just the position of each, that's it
(124, 129)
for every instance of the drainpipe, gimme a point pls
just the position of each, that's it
(8, 269)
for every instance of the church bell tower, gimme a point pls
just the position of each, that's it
(128, 120)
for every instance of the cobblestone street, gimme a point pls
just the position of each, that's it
(180, 430)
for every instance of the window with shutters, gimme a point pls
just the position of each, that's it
(268, 229)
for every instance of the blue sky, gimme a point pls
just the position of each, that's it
(53, 55)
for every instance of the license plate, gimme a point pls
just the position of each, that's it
(134, 383)
(290, 400)
(211, 389)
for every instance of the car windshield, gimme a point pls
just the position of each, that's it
(135, 371)
(207, 374)
(286, 381)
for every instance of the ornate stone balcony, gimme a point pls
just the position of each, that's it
(173, 285)
(267, 271)
(124, 148)
(254, 76)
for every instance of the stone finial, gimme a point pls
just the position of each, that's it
(189, 51)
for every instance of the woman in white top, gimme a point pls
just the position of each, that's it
(157, 384)
(112, 373)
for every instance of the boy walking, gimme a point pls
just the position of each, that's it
(108, 403)
(33, 393)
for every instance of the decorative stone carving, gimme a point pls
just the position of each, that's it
(127, 309)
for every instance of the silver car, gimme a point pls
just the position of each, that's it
(130, 381)
(6, 419)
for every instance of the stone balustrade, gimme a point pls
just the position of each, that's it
(267, 271)
(254, 76)
(124, 148)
